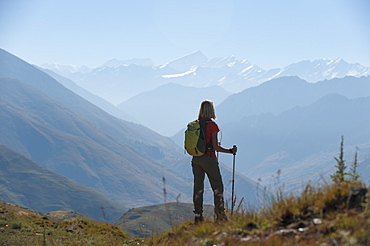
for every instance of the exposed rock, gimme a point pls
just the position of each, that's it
(356, 198)
(286, 232)
(298, 225)
(317, 221)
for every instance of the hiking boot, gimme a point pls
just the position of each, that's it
(198, 218)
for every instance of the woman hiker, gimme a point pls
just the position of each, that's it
(208, 164)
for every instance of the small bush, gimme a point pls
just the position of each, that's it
(16, 226)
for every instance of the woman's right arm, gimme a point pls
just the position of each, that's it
(218, 147)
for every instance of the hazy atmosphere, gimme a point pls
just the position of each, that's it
(267, 33)
(95, 97)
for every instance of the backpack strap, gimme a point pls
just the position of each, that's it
(209, 146)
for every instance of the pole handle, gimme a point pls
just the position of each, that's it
(234, 146)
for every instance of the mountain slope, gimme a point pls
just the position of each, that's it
(117, 84)
(284, 93)
(300, 142)
(138, 137)
(101, 103)
(29, 184)
(58, 138)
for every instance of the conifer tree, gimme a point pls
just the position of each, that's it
(354, 166)
(339, 175)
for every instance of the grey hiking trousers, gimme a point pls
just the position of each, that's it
(207, 164)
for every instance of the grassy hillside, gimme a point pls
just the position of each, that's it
(318, 216)
(62, 215)
(20, 226)
(28, 184)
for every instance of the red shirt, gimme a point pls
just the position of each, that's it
(211, 127)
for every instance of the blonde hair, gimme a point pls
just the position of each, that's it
(207, 110)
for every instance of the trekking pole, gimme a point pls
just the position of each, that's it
(219, 144)
(232, 185)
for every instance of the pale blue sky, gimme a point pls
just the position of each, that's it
(268, 33)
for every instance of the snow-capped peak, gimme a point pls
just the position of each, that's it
(136, 61)
(65, 69)
(184, 63)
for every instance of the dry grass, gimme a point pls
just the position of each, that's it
(20, 226)
(318, 216)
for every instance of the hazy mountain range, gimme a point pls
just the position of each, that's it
(52, 126)
(287, 128)
(301, 142)
(58, 138)
(77, 139)
(119, 80)
(291, 125)
(149, 88)
(100, 102)
(298, 129)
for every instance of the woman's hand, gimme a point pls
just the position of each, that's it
(233, 150)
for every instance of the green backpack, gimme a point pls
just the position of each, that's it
(195, 138)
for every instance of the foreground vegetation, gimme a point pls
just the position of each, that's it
(318, 216)
(20, 226)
